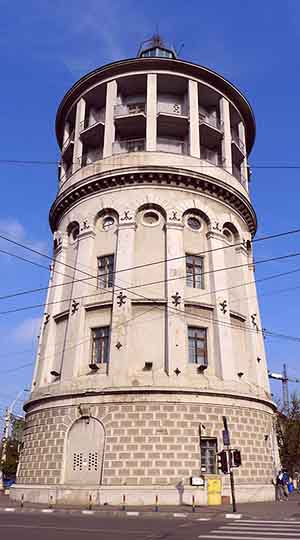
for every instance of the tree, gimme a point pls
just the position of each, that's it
(288, 432)
(13, 447)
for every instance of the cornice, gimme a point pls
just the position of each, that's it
(101, 183)
(175, 392)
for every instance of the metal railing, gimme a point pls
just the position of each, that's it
(175, 146)
(171, 108)
(211, 156)
(90, 157)
(68, 141)
(129, 145)
(238, 141)
(211, 121)
(130, 108)
(89, 122)
(237, 173)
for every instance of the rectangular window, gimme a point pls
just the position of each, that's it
(209, 455)
(105, 271)
(194, 271)
(197, 345)
(100, 344)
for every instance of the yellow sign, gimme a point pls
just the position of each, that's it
(214, 491)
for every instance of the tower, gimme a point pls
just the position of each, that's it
(151, 332)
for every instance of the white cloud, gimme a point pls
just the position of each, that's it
(14, 230)
(27, 331)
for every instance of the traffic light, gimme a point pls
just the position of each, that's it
(223, 464)
(236, 458)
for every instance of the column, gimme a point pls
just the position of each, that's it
(258, 371)
(55, 296)
(244, 164)
(77, 154)
(109, 132)
(224, 365)
(120, 358)
(176, 331)
(226, 142)
(151, 122)
(194, 119)
(75, 360)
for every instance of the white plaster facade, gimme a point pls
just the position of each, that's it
(167, 139)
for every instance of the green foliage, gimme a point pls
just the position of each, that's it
(288, 430)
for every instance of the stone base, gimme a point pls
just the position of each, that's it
(138, 496)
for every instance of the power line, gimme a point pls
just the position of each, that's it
(269, 237)
(204, 166)
(198, 295)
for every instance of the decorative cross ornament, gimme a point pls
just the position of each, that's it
(254, 321)
(176, 299)
(126, 217)
(174, 216)
(177, 371)
(119, 345)
(223, 306)
(121, 299)
(74, 307)
(217, 227)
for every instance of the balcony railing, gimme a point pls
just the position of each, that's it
(211, 121)
(68, 141)
(238, 141)
(171, 108)
(90, 157)
(66, 175)
(130, 108)
(129, 145)
(175, 146)
(89, 122)
(237, 173)
(211, 156)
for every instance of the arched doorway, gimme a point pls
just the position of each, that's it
(84, 452)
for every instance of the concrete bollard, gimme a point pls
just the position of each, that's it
(193, 504)
(90, 502)
(50, 502)
(22, 500)
(124, 503)
(156, 503)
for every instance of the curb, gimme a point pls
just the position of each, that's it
(197, 516)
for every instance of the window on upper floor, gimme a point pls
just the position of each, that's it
(194, 271)
(208, 447)
(105, 278)
(197, 338)
(100, 345)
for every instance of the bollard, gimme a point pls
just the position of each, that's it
(156, 503)
(22, 500)
(90, 502)
(194, 503)
(50, 503)
(124, 503)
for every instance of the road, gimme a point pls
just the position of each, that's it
(66, 526)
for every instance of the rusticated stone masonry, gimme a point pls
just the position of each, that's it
(149, 443)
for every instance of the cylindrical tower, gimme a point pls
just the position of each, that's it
(151, 332)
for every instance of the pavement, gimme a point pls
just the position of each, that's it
(285, 510)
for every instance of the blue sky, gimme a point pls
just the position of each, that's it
(45, 46)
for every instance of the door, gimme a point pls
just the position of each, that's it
(84, 452)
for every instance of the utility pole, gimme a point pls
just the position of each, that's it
(283, 377)
(226, 441)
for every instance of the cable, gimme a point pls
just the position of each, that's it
(57, 163)
(147, 284)
(125, 269)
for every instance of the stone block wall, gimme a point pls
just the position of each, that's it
(150, 442)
